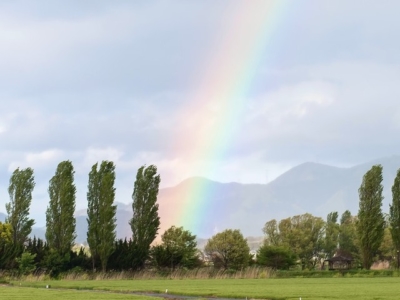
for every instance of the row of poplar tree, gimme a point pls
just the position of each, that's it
(302, 239)
(55, 253)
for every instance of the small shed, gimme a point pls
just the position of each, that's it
(339, 263)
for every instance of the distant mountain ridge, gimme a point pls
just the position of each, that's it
(310, 187)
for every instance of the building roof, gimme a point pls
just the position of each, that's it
(339, 258)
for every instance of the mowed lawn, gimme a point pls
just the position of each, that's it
(383, 288)
(16, 293)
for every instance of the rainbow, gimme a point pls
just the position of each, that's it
(212, 113)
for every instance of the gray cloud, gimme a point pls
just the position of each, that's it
(103, 80)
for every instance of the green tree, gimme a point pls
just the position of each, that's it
(20, 190)
(5, 233)
(331, 234)
(348, 241)
(387, 249)
(38, 247)
(302, 234)
(371, 223)
(55, 263)
(26, 263)
(145, 222)
(178, 249)
(60, 220)
(271, 232)
(8, 250)
(394, 212)
(228, 250)
(276, 257)
(101, 212)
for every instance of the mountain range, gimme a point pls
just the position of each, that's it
(310, 187)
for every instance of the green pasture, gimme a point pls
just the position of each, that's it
(382, 288)
(16, 293)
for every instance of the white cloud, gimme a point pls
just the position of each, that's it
(37, 160)
(2, 129)
(93, 155)
(321, 111)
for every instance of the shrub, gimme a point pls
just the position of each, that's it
(26, 263)
(278, 258)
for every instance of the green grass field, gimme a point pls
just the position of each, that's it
(50, 294)
(383, 288)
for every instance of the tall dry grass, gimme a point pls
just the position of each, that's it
(201, 273)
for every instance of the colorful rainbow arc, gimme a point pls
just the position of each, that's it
(211, 114)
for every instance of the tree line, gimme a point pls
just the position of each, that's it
(55, 253)
(303, 240)
(366, 237)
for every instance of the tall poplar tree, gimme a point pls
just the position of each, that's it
(60, 220)
(394, 213)
(331, 234)
(22, 183)
(101, 212)
(371, 223)
(348, 235)
(145, 222)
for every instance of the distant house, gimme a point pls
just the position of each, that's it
(338, 263)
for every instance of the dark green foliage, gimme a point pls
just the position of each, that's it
(47, 259)
(8, 255)
(121, 258)
(101, 213)
(20, 190)
(145, 222)
(371, 223)
(26, 263)
(394, 213)
(60, 220)
(56, 263)
(177, 250)
(228, 250)
(38, 247)
(161, 257)
(276, 257)
(79, 261)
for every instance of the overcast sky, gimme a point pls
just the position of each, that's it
(119, 80)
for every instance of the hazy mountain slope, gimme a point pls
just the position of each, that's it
(226, 205)
(39, 232)
(309, 187)
(2, 217)
(319, 189)
(124, 214)
(390, 166)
